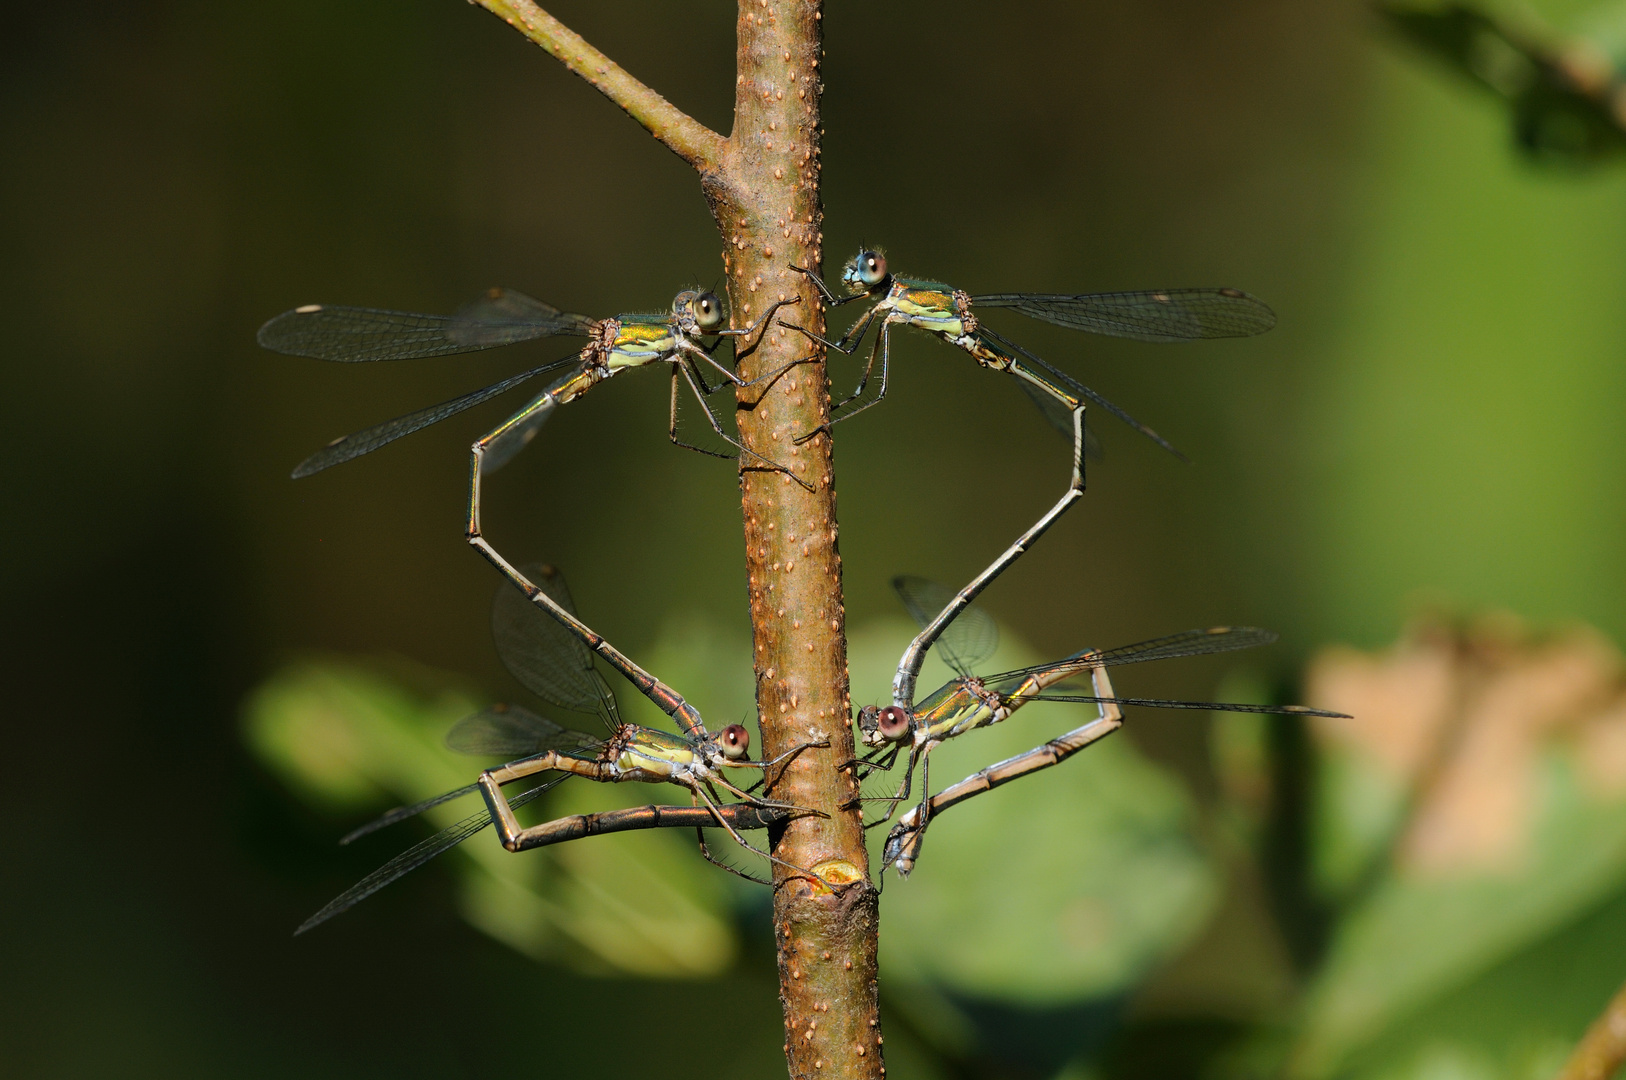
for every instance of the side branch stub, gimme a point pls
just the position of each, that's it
(685, 136)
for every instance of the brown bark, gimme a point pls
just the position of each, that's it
(1602, 1049)
(762, 184)
(765, 198)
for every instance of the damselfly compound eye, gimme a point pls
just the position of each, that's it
(871, 267)
(734, 741)
(893, 723)
(708, 311)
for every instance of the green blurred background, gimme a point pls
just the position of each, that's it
(1434, 419)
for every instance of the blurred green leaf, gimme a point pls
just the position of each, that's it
(1068, 885)
(1417, 937)
(1517, 1021)
(1516, 826)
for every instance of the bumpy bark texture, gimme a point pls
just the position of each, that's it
(762, 184)
(765, 197)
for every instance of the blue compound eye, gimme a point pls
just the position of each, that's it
(871, 267)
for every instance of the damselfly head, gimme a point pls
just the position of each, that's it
(699, 312)
(734, 741)
(865, 272)
(882, 725)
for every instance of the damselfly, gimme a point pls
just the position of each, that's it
(1160, 315)
(1154, 315)
(550, 660)
(732, 816)
(904, 840)
(971, 701)
(504, 317)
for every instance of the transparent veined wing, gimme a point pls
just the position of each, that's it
(401, 813)
(361, 334)
(518, 431)
(1148, 315)
(1217, 639)
(511, 731)
(542, 654)
(506, 317)
(366, 441)
(964, 643)
(506, 731)
(1059, 415)
(1071, 385)
(415, 856)
(1207, 706)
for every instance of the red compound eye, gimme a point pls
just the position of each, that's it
(734, 741)
(893, 723)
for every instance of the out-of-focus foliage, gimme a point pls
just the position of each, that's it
(1567, 95)
(1468, 822)
(1462, 832)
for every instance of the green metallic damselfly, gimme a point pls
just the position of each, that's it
(973, 701)
(550, 660)
(1158, 315)
(904, 840)
(505, 317)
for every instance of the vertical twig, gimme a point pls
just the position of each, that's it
(765, 197)
(762, 184)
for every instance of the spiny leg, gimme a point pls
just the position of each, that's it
(815, 744)
(883, 345)
(700, 835)
(761, 324)
(770, 763)
(872, 761)
(757, 800)
(879, 761)
(717, 426)
(742, 384)
(830, 299)
(849, 341)
(740, 840)
(893, 801)
(705, 851)
(926, 784)
(687, 358)
(705, 352)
